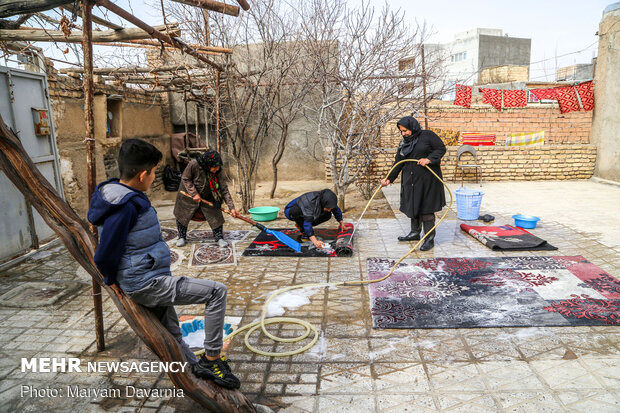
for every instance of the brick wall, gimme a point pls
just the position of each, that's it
(573, 127)
(500, 163)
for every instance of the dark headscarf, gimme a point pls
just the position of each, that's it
(409, 122)
(329, 199)
(208, 160)
(312, 203)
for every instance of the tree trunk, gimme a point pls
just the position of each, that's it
(341, 203)
(80, 242)
(276, 159)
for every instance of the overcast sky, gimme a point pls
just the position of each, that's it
(556, 27)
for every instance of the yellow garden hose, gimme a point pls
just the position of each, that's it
(263, 321)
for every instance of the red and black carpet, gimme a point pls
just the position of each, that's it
(340, 244)
(507, 238)
(492, 292)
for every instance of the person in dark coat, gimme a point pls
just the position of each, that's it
(421, 194)
(312, 209)
(202, 179)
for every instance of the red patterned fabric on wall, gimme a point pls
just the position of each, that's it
(463, 96)
(515, 98)
(586, 94)
(545, 94)
(567, 99)
(493, 97)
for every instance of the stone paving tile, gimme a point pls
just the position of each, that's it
(353, 367)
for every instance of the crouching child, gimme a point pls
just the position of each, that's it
(132, 253)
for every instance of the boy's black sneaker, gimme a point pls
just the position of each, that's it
(216, 370)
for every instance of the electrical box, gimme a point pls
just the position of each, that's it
(41, 120)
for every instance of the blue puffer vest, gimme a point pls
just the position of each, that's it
(146, 255)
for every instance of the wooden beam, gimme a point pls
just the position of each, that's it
(114, 70)
(96, 19)
(141, 46)
(178, 43)
(10, 8)
(37, 35)
(198, 47)
(213, 6)
(244, 4)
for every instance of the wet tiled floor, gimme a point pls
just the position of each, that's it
(353, 367)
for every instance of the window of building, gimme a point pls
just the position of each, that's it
(114, 117)
(457, 57)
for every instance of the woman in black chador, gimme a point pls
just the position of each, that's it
(421, 194)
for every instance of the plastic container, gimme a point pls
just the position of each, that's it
(264, 213)
(525, 221)
(188, 327)
(468, 204)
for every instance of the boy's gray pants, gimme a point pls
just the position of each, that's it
(163, 293)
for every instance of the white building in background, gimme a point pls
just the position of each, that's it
(471, 51)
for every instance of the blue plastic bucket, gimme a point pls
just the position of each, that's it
(468, 204)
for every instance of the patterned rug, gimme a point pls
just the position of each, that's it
(507, 238)
(340, 244)
(212, 254)
(168, 234)
(492, 292)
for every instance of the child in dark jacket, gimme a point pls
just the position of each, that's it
(132, 253)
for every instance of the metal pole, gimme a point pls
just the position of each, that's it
(424, 89)
(217, 111)
(89, 121)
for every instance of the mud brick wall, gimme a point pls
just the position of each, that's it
(572, 127)
(500, 163)
(145, 116)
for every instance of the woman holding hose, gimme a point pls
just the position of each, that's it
(421, 193)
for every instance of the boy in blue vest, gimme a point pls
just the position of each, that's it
(132, 253)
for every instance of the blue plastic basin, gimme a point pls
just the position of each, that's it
(525, 221)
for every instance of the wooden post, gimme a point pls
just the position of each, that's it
(204, 113)
(424, 89)
(217, 111)
(197, 118)
(185, 138)
(89, 121)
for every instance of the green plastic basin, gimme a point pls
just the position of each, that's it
(264, 213)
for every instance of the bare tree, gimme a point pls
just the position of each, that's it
(261, 83)
(290, 100)
(359, 87)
